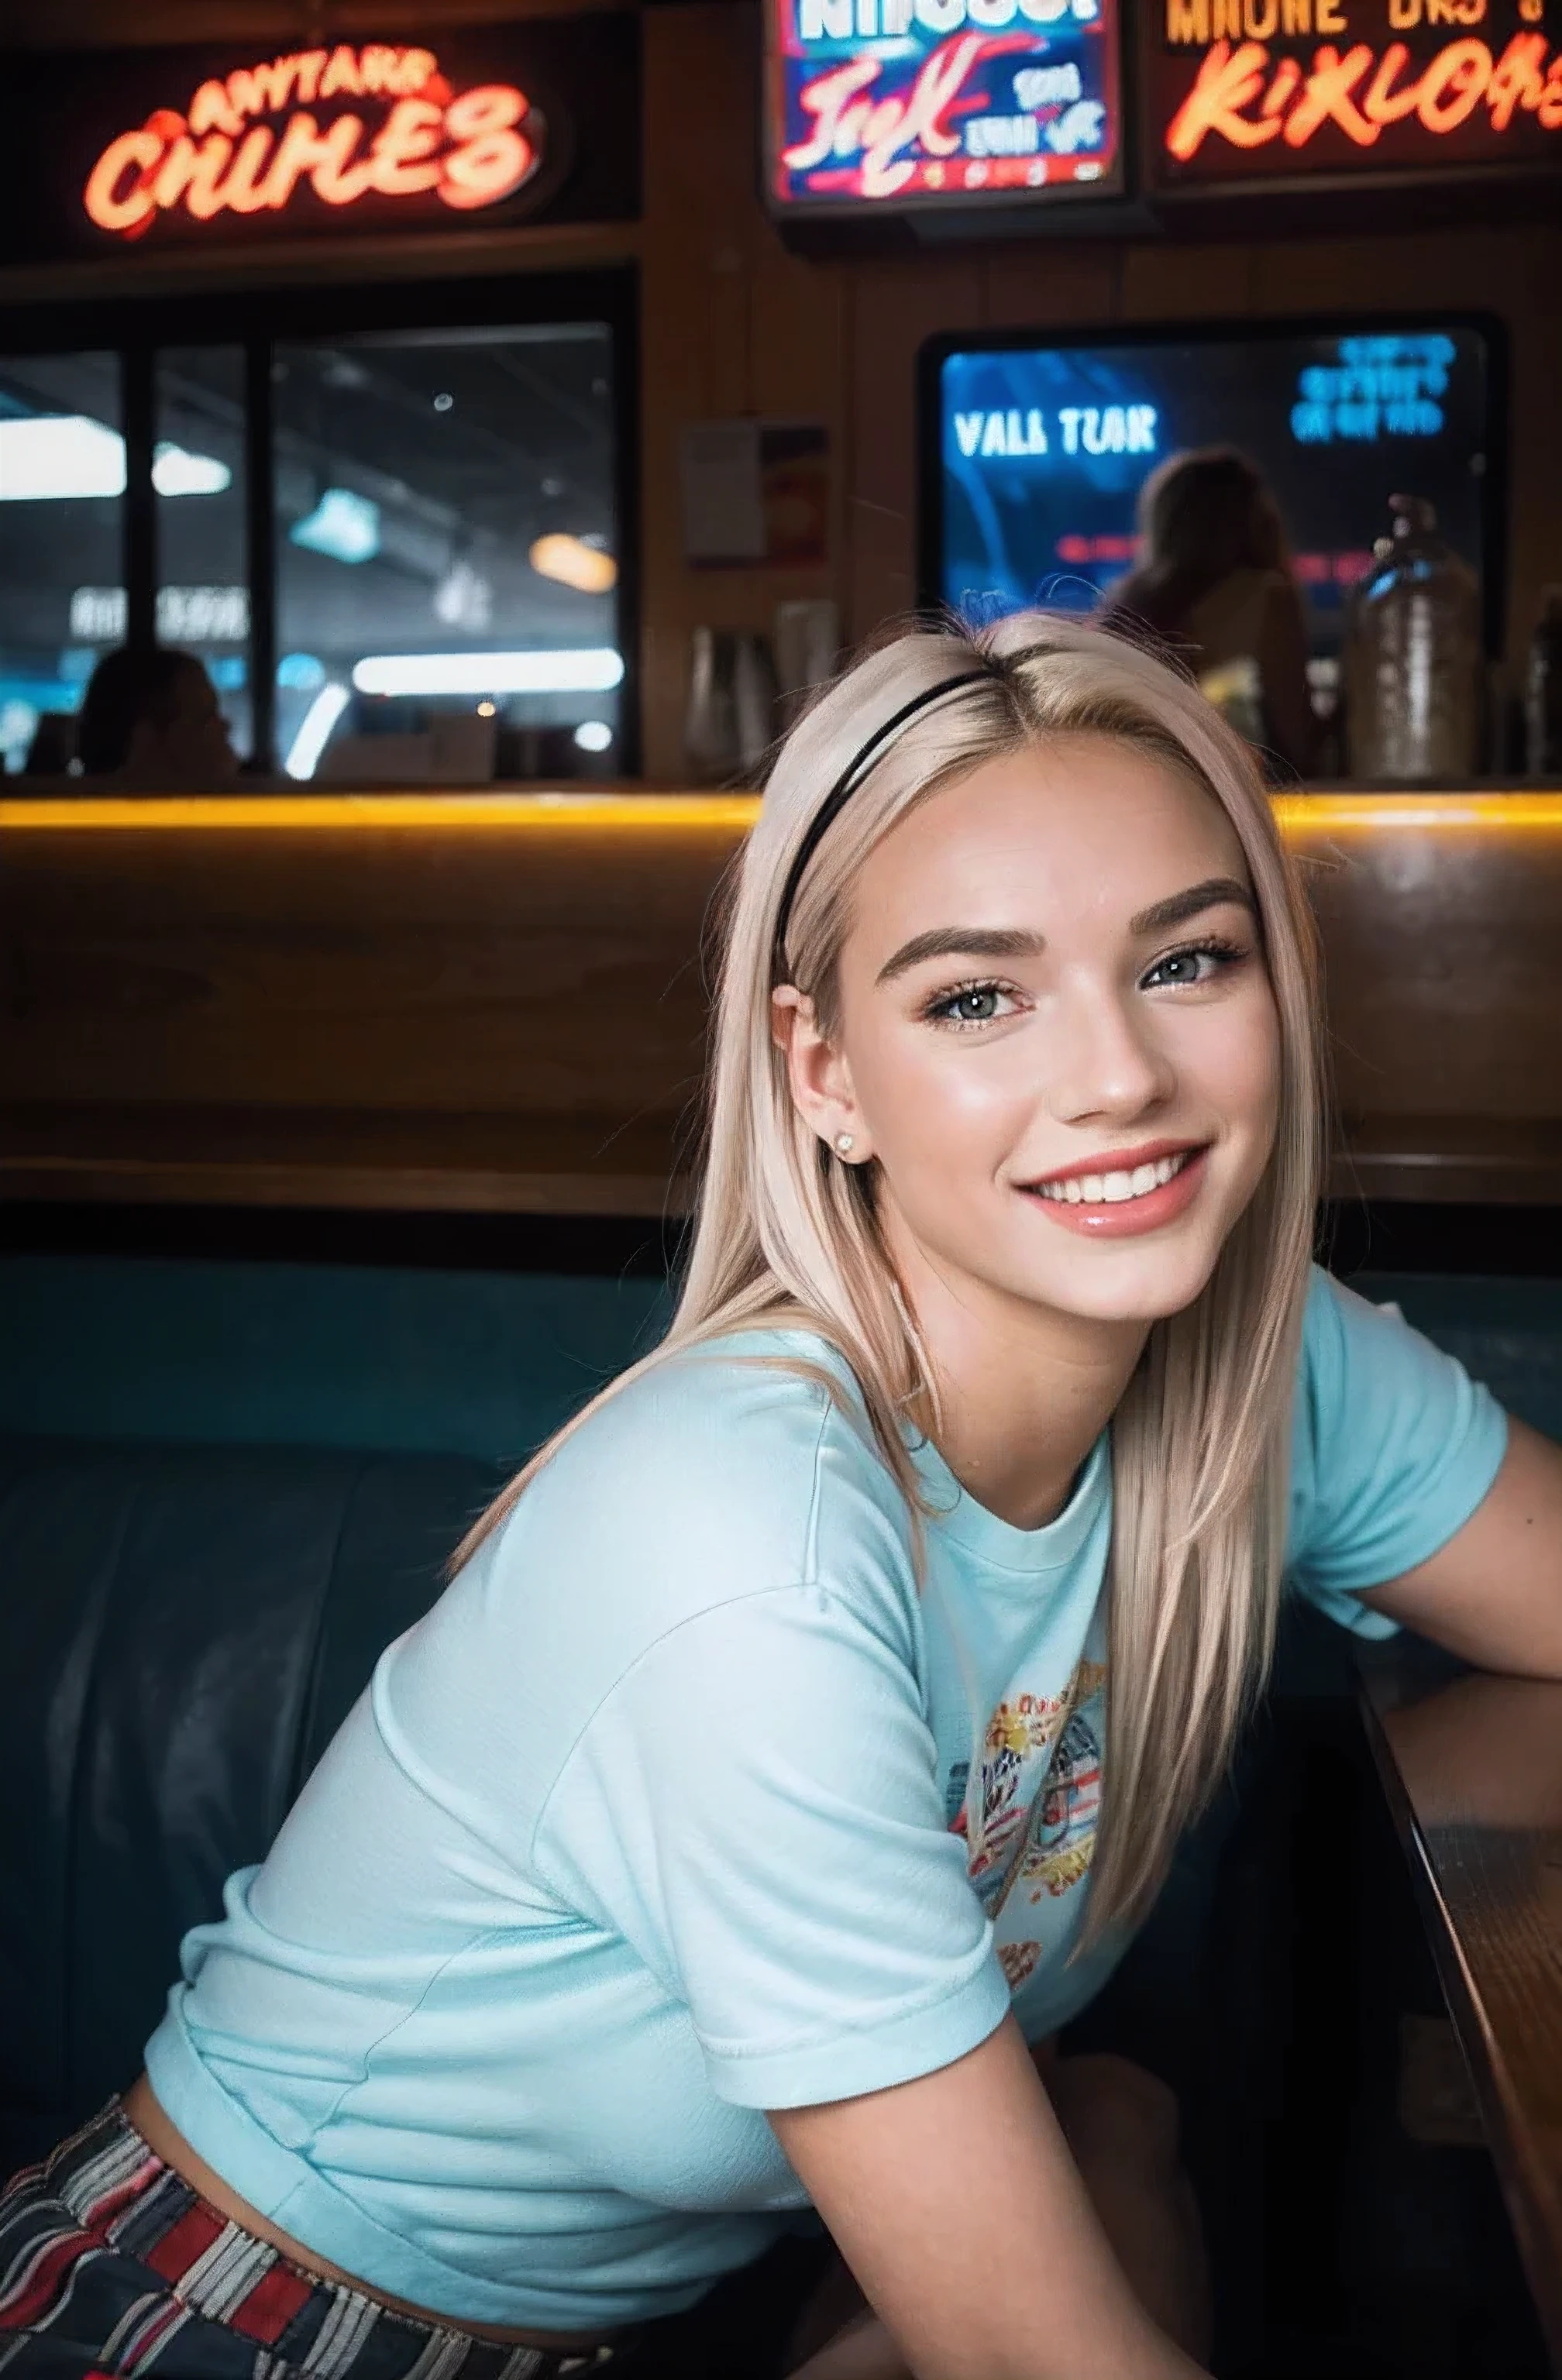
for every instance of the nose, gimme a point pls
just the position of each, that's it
(1105, 1059)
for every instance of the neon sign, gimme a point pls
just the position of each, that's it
(1246, 90)
(1382, 387)
(1076, 428)
(343, 124)
(876, 102)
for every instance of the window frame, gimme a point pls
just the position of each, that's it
(258, 319)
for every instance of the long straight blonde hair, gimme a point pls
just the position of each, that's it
(785, 1234)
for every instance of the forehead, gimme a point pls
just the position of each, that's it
(1081, 829)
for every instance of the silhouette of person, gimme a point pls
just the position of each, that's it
(1214, 580)
(149, 719)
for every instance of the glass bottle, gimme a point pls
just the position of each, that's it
(1412, 657)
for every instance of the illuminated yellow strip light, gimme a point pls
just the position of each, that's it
(1372, 813)
(1297, 813)
(334, 812)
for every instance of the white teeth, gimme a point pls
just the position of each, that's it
(1112, 1189)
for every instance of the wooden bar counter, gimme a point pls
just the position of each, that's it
(1472, 1773)
(498, 1001)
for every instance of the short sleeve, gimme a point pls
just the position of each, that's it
(753, 1807)
(1394, 1448)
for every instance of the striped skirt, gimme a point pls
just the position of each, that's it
(111, 2263)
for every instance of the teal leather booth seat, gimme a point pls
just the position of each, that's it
(224, 1489)
(184, 1629)
(225, 1485)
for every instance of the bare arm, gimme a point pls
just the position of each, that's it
(956, 2203)
(1494, 1593)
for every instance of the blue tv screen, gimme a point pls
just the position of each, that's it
(1034, 451)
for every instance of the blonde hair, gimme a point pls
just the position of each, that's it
(785, 1234)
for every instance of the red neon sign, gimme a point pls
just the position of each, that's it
(249, 142)
(1244, 97)
(1265, 91)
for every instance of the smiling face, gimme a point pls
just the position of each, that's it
(1056, 1035)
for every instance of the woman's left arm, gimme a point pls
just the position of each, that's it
(1494, 1593)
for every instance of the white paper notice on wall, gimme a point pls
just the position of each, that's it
(723, 500)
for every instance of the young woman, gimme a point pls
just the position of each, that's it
(809, 1725)
(1214, 580)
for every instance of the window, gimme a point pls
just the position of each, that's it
(199, 476)
(447, 552)
(389, 523)
(62, 570)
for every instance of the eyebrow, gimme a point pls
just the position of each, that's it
(1215, 892)
(964, 942)
(1017, 942)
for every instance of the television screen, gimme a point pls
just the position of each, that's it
(1034, 451)
(878, 105)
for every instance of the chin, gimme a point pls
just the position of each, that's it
(1137, 1281)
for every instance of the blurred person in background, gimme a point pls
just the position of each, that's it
(149, 719)
(1213, 581)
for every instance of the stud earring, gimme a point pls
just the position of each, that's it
(844, 1144)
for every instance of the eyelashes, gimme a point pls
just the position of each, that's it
(981, 996)
(1218, 948)
(944, 1007)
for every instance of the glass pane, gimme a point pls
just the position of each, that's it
(62, 577)
(198, 473)
(447, 556)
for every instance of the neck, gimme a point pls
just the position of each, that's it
(1024, 1391)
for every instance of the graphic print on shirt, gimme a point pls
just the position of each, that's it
(1017, 1754)
(1063, 1837)
(1018, 1961)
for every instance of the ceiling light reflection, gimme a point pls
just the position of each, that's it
(58, 458)
(303, 758)
(594, 669)
(572, 562)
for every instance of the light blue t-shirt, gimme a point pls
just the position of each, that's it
(656, 1822)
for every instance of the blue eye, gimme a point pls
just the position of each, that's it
(1196, 963)
(969, 1003)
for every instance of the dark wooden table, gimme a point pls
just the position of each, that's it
(1472, 1767)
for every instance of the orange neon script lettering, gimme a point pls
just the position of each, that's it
(1228, 81)
(1441, 96)
(470, 147)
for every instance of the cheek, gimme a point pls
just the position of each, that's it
(923, 1091)
(1235, 1062)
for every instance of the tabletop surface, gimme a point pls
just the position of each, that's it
(1471, 1766)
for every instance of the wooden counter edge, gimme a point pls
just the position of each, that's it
(1528, 2186)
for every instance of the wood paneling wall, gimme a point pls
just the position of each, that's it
(734, 321)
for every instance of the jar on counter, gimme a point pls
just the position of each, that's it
(1543, 690)
(1412, 657)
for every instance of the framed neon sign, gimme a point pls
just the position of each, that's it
(1294, 93)
(891, 104)
(192, 147)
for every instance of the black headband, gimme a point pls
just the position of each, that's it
(847, 783)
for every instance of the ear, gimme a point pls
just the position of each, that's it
(818, 1072)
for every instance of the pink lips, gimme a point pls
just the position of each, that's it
(1127, 1218)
